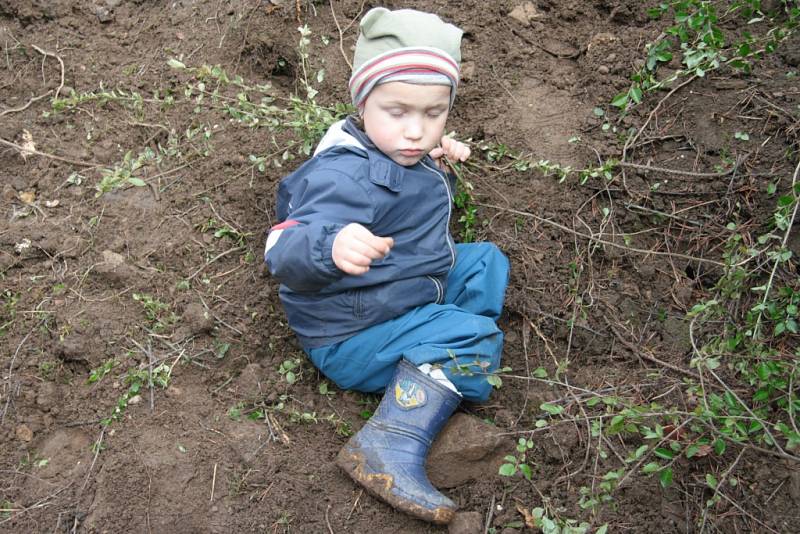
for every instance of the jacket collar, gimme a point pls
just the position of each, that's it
(382, 170)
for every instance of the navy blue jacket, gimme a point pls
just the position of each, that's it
(350, 181)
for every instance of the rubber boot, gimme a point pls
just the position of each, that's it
(387, 456)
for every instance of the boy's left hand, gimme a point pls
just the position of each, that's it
(452, 149)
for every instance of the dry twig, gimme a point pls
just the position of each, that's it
(602, 241)
(91, 164)
(46, 53)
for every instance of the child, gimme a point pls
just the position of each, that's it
(374, 287)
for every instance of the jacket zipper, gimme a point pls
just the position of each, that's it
(449, 214)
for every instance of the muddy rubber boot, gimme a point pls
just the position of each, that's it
(387, 456)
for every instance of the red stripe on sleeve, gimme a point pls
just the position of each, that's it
(285, 224)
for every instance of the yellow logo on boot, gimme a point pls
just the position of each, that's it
(409, 394)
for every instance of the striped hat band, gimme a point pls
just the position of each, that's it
(421, 65)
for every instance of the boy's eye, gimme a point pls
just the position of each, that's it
(435, 113)
(396, 112)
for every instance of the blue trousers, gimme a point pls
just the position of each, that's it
(460, 335)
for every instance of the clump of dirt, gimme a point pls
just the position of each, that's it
(150, 382)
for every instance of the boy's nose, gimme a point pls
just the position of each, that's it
(413, 130)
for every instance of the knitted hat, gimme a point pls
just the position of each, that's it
(405, 45)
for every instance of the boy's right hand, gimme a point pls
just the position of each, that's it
(355, 247)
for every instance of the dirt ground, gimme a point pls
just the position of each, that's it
(149, 381)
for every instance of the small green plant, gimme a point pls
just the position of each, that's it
(340, 426)
(6, 507)
(324, 389)
(156, 311)
(255, 106)
(464, 201)
(123, 173)
(758, 343)
(135, 379)
(518, 463)
(235, 412)
(224, 231)
(540, 518)
(603, 492)
(96, 375)
(48, 369)
(290, 370)
(698, 34)
(9, 309)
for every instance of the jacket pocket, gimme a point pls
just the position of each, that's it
(386, 301)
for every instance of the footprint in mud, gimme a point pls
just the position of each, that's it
(553, 115)
(61, 458)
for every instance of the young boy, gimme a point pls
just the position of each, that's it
(374, 287)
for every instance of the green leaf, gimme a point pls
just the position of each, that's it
(692, 450)
(508, 470)
(620, 100)
(526, 471)
(636, 93)
(552, 409)
(598, 112)
(711, 481)
(652, 467)
(663, 453)
(138, 182)
(665, 477)
(761, 395)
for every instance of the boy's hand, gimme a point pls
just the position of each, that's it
(355, 247)
(454, 150)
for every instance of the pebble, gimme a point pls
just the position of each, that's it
(9, 193)
(526, 13)
(103, 14)
(24, 433)
(602, 69)
(174, 391)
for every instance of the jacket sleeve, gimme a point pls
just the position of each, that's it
(298, 250)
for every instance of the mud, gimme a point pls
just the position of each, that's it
(225, 443)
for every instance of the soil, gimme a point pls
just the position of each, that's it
(166, 280)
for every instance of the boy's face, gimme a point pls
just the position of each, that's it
(406, 121)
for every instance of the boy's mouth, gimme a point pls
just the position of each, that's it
(411, 153)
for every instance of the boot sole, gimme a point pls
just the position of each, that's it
(380, 486)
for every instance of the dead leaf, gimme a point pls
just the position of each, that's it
(28, 146)
(52, 203)
(530, 521)
(674, 433)
(180, 35)
(27, 196)
(703, 450)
